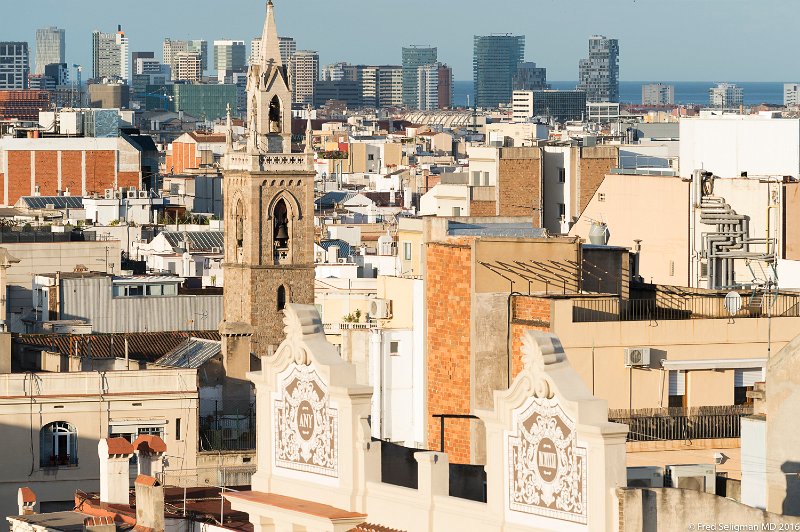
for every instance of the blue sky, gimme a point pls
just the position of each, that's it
(704, 40)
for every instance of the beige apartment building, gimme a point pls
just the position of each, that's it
(53, 421)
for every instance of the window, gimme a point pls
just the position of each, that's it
(562, 175)
(486, 179)
(155, 290)
(58, 445)
(677, 389)
(281, 297)
(174, 189)
(406, 250)
(394, 348)
(371, 157)
(743, 381)
(562, 210)
(178, 428)
(456, 211)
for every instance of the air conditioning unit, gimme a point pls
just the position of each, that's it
(118, 194)
(698, 477)
(216, 250)
(637, 356)
(380, 309)
(132, 193)
(49, 206)
(109, 193)
(342, 260)
(646, 477)
(142, 194)
(320, 257)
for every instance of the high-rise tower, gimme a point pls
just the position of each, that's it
(269, 221)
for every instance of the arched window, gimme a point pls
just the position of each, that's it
(58, 444)
(239, 224)
(280, 215)
(275, 115)
(281, 297)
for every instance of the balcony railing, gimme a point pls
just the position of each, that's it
(665, 424)
(334, 328)
(667, 307)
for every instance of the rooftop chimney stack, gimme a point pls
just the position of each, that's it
(26, 500)
(150, 452)
(115, 455)
(149, 504)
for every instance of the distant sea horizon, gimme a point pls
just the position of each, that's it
(686, 92)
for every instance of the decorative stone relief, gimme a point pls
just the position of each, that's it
(305, 425)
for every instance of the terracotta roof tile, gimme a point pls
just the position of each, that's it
(296, 505)
(119, 446)
(367, 527)
(149, 443)
(146, 480)
(27, 495)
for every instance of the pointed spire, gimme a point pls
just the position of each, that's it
(309, 139)
(270, 44)
(229, 128)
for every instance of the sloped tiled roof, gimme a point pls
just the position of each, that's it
(198, 240)
(333, 198)
(147, 347)
(192, 353)
(345, 250)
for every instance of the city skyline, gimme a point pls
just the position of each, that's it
(704, 55)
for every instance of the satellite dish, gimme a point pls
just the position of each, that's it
(733, 303)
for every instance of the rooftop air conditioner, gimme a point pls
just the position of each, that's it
(216, 250)
(109, 193)
(320, 257)
(342, 260)
(698, 477)
(646, 477)
(132, 193)
(380, 309)
(142, 194)
(118, 194)
(50, 206)
(637, 356)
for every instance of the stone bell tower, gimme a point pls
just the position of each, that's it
(269, 216)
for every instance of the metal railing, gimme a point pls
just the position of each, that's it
(331, 328)
(665, 424)
(228, 430)
(665, 307)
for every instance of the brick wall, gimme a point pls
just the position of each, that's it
(100, 166)
(528, 312)
(47, 172)
(19, 175)
(595, 163)
(448, 337)
(482, 208)
(72, 172)
(519, 183)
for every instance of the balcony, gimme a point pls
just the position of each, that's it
(683, 307)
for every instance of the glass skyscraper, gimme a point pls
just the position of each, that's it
(598, 74)
(50, 48)
(413, 58)
(495, 61)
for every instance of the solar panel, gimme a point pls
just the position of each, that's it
(58, 202)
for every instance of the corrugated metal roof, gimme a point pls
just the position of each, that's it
(345, 249)
(333, 198)
(147, 347)
(513, 230)
(58, 202)
(192, 353)
(198, 240)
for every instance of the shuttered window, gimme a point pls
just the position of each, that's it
(746, 378)
(677, 382)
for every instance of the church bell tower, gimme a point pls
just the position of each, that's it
(269, 215)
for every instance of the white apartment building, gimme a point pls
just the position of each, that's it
(725, 96)
(188, 66)
(522, 105)
(791, 94)
(428, 87)
(304, 69)
(658, 94)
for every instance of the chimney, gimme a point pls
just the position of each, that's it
(149, 504)
(115, 455)
(26, 501)
(150, 451)
(99, 524)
